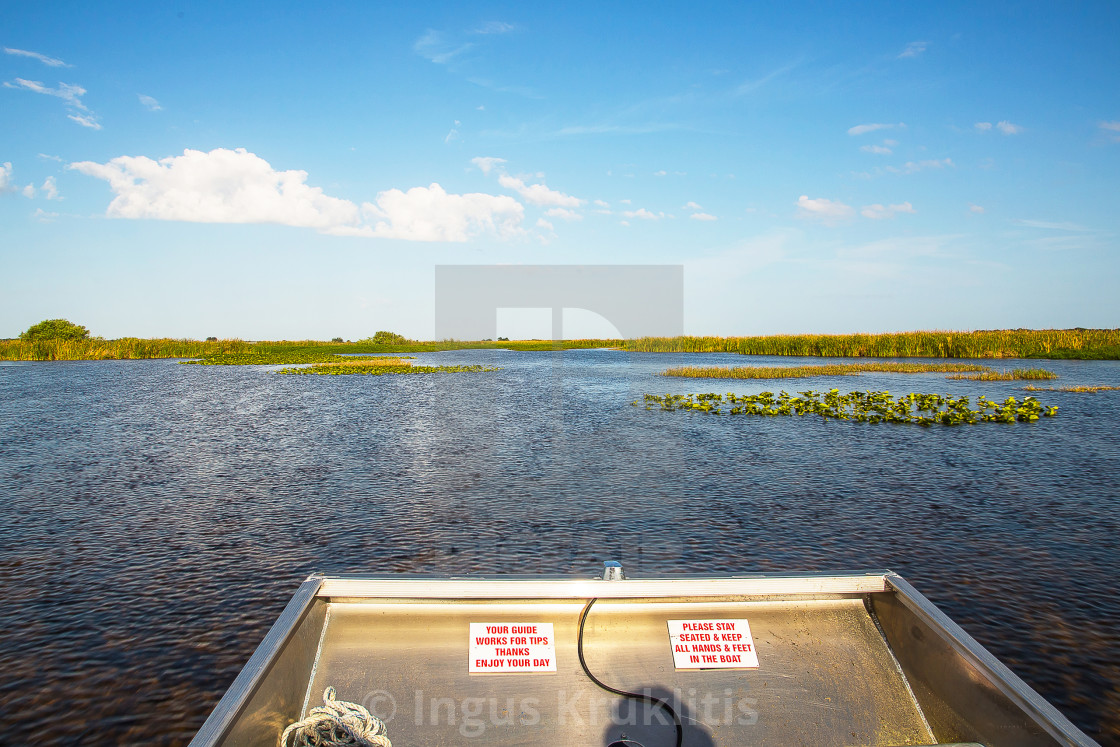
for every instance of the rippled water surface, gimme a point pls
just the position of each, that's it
(159, 516)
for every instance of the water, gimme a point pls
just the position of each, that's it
(159, 516)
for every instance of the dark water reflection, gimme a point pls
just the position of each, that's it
(159, 516)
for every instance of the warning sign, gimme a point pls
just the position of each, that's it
(712, 644)
(505, 648)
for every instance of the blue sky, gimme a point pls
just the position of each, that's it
(288, 171)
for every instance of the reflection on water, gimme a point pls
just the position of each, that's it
(159, 516)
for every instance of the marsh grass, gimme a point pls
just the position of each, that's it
(868, 407)
(126, 348)
(1017, 374)
(1007, 343)
(377, 368)
(801, 372)
(1031, 388)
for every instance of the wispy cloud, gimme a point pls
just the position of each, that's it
(49, 61)
(85, 120)
(563, 214)
(1005, 127)
(865, 128)
(703, 216)
(879, 212)
(878, 149)
(538, 194)
(236, 186)
(913, 49)
(6, 177)
(149, 103)
(974, 208)
(821, 208)
(913, 167)
(486, 163)
(68, 92)
(435, 46)
(643, 214)
(1051, 226)
(49, 188)
(750, 86)
(494, 27)
(1112, 129)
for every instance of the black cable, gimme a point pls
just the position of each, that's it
(647, 698)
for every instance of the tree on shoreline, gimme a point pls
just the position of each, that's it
(55, 329)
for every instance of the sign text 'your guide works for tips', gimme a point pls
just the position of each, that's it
(507, 648)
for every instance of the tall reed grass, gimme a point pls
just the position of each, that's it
(1008, 343)
(801, 372)
(126, 348)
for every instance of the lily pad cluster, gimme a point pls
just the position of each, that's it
(869, 407)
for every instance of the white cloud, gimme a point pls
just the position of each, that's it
(46, 157)
(1112, 129)
(1005, 127)
(431, 214)
(235, 186)
(542, 223)
(433, 46)
(702, 216)
(890, 143)
(6, 177)
(879, 212)
(495, 27)
(452, 135)
(974, 208)
(643, 214)
(865, 128)
(625, 202)
(50, 189)
(602, 203)
(43, 216)
(822, 208)
(485, 163)
(912, 167)
(68, 92)
(879, 149)
(28, 191)
(149, 103)
(563, 213)
(691, 206)
(913, 49)
(662, 172)
(85, 120)
(538, 194)
(49, 61)
(1064, 226)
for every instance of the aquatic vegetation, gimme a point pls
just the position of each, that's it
(800, 372)
(1007, 343)
(868, 407)
(126, 348)
(1016, 374)
(377, 367)
(1032, 388)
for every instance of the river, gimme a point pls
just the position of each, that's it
(158, 516)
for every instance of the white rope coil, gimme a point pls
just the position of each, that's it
(337, 723)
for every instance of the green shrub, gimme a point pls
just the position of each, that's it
(55, 329)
